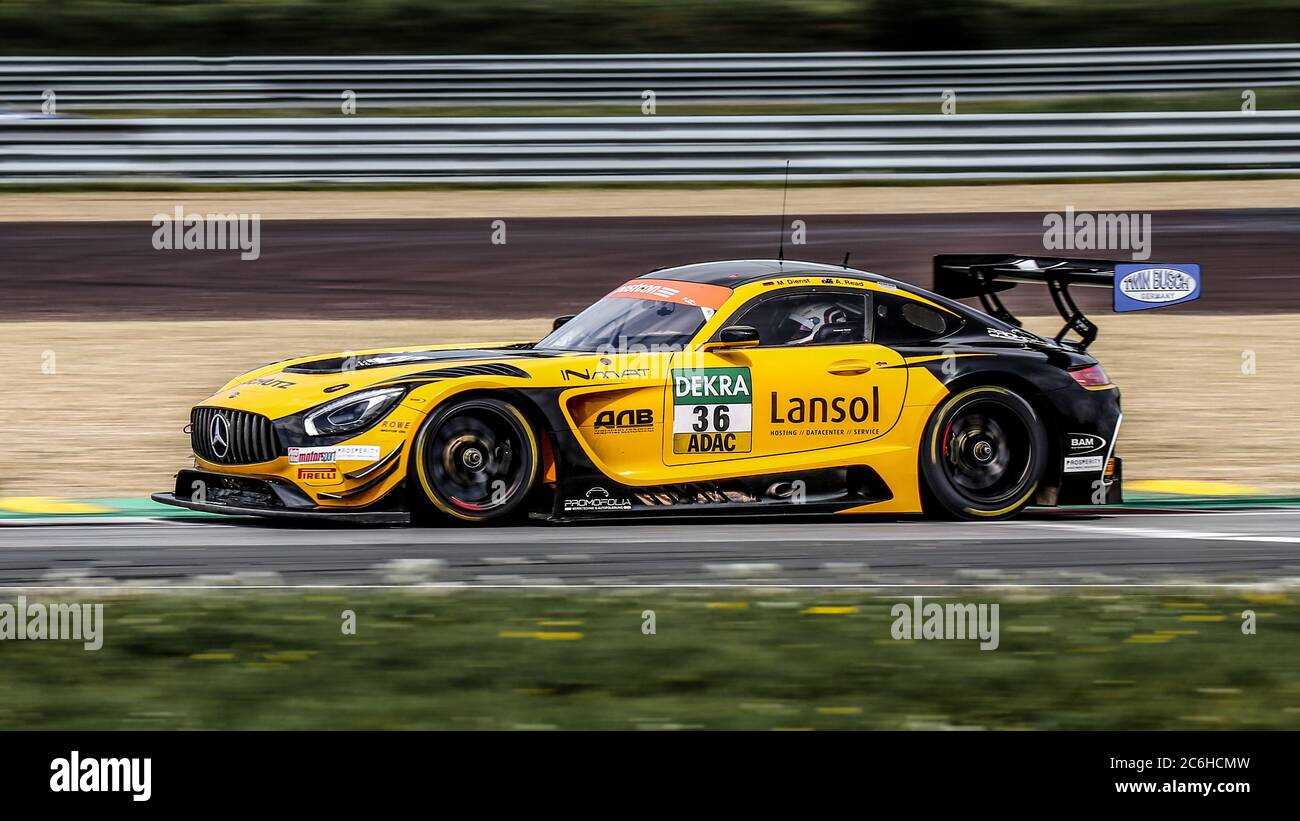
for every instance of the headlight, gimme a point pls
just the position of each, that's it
(351, 412)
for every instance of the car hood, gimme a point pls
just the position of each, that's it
(293, 385)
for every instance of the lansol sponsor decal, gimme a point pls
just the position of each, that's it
(815, 410)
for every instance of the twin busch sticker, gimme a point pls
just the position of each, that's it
(712, 410)
(330, 455)
(1142, 287)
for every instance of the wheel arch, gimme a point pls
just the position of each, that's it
(1024, 387)
(533, 417)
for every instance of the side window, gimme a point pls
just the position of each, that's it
(900, 321)
(808, 318)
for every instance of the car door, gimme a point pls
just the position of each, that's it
(813, 384)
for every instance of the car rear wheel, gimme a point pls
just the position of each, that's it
(476, 461)
(983, 454)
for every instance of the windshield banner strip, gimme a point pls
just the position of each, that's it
(667, 290)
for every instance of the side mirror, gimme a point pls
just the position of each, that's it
(560, 320)
(735, 336)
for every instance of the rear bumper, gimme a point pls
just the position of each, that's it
(1085, 467)
(249, 496)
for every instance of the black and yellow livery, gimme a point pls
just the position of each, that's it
(723, 387)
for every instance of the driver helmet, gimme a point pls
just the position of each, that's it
(806, 320)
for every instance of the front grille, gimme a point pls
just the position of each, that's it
(231, 437)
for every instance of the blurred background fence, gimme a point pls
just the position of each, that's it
(650, 148)
(261, 83)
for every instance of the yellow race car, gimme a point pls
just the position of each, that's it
(723, 387)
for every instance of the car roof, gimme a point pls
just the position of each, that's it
(732, 273)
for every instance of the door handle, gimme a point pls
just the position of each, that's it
(849, 367)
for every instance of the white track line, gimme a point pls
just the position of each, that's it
(1157, 533)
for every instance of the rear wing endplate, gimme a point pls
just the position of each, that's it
(961, 276)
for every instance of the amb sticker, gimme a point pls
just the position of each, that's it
(712, 410)
(1142, 287)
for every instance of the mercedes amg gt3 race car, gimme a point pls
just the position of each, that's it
(721, 387)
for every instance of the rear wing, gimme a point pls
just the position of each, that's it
(961, 276)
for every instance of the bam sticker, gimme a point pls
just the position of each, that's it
(712, 410)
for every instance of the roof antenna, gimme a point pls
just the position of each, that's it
(785, 189)
(845, 263)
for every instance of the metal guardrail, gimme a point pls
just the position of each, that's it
(649, 148)
(249, 83)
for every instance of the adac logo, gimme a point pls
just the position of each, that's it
(1142, 287)
(638, 419)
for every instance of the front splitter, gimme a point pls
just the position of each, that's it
(367, 517)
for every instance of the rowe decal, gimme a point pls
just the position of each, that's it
(328, 456)
(1142, 287)
(712, 410)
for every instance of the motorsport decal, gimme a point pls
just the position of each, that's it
(712, 410)
(330, 455)
(838, 412)
(638, 420)
(1142, 287)
(596, 500)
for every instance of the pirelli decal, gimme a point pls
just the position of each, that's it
(712, 410)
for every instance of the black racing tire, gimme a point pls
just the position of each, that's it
(982, 455)
(474, 461)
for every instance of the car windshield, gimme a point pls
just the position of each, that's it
(653, 314)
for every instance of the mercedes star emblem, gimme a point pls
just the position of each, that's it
(219, 435)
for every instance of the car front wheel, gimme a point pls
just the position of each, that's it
(475, 461)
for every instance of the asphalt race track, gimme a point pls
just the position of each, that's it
(415, 268)
(1041, 548)
(375, 269)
